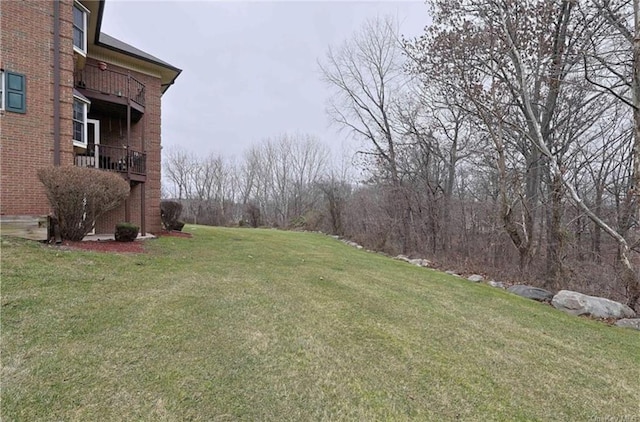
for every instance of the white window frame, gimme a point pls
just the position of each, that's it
(85, 124)
(2, 93)
(85, 12)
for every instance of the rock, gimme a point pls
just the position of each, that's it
(452, 273)
(352, 244)
(419, 262)
(633, 323)
(416, 261)
(579, 304)
(530, 292)
(497, 284)
(476, 278)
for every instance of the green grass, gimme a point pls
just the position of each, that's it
(243, 324)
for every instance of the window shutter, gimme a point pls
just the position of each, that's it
(16, 99)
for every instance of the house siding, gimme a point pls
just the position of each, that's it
(27, 140)
(113, 131)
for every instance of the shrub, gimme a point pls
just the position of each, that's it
(170, 213)
(126, 232)
(252, 214)
(80, 195)
(313, 220)
(177, 226)
(298, 222)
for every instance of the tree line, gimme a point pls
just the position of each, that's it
(504, 139)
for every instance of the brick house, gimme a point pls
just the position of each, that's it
(71, 95)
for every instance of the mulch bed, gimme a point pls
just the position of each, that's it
(117, 247)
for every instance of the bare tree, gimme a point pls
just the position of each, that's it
(309, 161)
(367, 77)
(439, 133)
(519, 64)
(504, 23)
(612, 64)
(177, 167)
(278, 177)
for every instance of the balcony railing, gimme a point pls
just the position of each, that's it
(110, 82)
(120, 159)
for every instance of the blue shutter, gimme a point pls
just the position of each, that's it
(16, 98)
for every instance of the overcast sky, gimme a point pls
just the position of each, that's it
(250, 69)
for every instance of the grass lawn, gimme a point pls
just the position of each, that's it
(244, 324)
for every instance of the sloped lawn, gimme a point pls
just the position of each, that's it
(243, 324)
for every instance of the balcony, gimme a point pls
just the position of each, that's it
(111, 91)
(130, 163)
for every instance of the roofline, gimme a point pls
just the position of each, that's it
(96, 38)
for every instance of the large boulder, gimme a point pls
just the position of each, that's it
(530, 292)
(633, 323)
(476, 278)
(579, 304)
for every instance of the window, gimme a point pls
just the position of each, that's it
(80, 28)
(13, 90)
(79, 122)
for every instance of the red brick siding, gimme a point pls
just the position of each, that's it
(113, 131)
(26, 45)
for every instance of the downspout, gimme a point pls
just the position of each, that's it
(143, 190)
(54, 228)
(56, 83)
(143, 206)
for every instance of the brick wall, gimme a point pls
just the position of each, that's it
(113, 131)
(26, 140)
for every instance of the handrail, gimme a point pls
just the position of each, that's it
(112, 82)
(113, 158)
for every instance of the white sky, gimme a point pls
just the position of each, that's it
(250, 69)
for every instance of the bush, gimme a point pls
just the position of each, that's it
(298, 223)
(170, 213)
(252, 214)
(80, 195)
(126, 232)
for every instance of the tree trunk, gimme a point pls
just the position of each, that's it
(635, 183)
(597, 231)
(555, 240)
